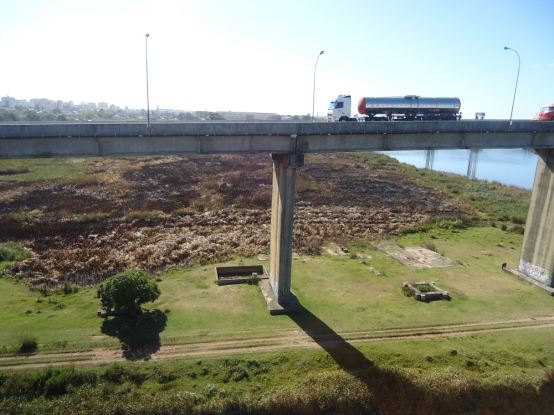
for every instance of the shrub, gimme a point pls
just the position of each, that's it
(14, 252)
(56, 385)
(166, 377)
(137, 377)
(28, 344)
(43, 289)
(519, 219)
(114, 373)
(59, 380)
(128, 290)
(517, 229)
(144, 216)
(504, 227)
(188, 211)
(209, 391)
(406, 291)
(69, 288)
(430, 246)
(253, 279)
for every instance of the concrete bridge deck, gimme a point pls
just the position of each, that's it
(31, 140)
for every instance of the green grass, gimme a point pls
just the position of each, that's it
(10, 252)
(341, 292)
(30, 170)
(490, 199)
(449, 372)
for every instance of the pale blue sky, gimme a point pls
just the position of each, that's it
(260, 55)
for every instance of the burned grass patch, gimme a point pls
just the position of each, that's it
(156, 213)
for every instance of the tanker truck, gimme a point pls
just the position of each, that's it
(406, 108)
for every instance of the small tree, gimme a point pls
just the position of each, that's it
(128, 290)
(215, 116)
(7, 116)
(31, 116)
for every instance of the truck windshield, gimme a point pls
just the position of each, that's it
(547, 109)
(332, 105)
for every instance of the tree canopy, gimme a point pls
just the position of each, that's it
(128, 290)
(215, 116)
(187, 116)
(31, 115)
(7, 116)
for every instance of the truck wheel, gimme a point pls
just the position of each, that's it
(343, 119)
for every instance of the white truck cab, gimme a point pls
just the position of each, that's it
(340, 109)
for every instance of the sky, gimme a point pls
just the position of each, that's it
(258, 55)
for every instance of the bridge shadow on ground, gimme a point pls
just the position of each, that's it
(139, 335)
(343, 353)
(394, 392)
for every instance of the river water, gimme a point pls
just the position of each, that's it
(507, 166)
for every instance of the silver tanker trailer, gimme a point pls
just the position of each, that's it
(406, 108)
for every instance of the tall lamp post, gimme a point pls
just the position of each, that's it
(313, 98)
(517, 78)
(147, 98)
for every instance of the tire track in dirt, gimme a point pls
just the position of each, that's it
(288, 340)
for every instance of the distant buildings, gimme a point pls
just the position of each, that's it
(10, 102)
(76, 111)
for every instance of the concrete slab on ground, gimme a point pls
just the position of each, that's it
(292, 306)
(417, 257)
(334, 249)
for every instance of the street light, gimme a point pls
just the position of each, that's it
(518, 65)
(313, 99)
(147, 98)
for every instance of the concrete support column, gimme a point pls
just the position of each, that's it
(282, 214)
(537, 253)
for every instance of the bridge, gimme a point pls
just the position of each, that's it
(287, 143)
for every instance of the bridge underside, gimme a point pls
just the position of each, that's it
(99, 140)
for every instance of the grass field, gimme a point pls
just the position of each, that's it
(359, 342)
(504, 365)
(341, 292)
(43, 169)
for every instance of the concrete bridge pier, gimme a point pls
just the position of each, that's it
(537, 253)
(282, 215)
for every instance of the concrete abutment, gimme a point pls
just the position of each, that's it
(537, 253)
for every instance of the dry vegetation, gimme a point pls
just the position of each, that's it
(161, 212)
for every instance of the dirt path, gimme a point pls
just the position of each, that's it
(285, 340)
